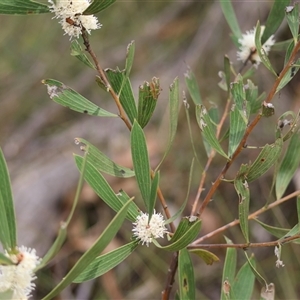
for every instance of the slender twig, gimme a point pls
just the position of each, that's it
(250, 217)
(247, 245)
(104, 79)
(248, 131)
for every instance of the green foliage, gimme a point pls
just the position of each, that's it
(22, 7)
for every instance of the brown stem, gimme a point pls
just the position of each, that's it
(250, 217)
(165, 295)
(104, 79)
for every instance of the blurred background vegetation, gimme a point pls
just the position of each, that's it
(37, 137)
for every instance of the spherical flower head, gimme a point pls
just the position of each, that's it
(71, 19)
(248, 49)
(18, 277)
(145, 231)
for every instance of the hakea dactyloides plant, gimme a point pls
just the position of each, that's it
(244, 108)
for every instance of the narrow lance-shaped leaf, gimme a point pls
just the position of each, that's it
(22, 7)
(106, 262)
(276, 231)
(104, 191)
(292, 17)
(103, 163)
(141, 163)
(77, 51)
(192, 85)
(186, 275)
(208, 257)
(129, 58)
(187, 230)
(208, 129)
(173, 116)
(97, 6)
(66, 96)
(275, 18)
(100, 244)
(153, 194)
(265, 160)
(8, 235)
(228, 272)
(244, 281)
(288, 166)
(242, 190)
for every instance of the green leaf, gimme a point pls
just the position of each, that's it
(275, 18)
(292, 232)
(4, 260)
(66, 96)
(22, 7)
(56, 246)
(208, 129)
(276, 231)
(229, 270)
(242, 189)
(266, 159)
(187, 230)
(122, 86)
(148, 95)
(192, 85)
(173, 116)
(89, 256)
(103, 163)
(298, 208)
(8, 235)
(292, 17)
(106, 262)
(141, 163)
(230, 17)
(187, 288)
(129, 58)
(104, 191)
(258, 44)
(97, 6)
(153, 194)
(7, 295)
(208, 257)
(77, 51)
(244, 281)
(288, 166)
(227, 67)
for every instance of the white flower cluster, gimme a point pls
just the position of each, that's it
(145, 231)
(18, 278)
(71, 19)
(248, 49)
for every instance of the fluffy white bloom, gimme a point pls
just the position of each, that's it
(18, 278)
(277, 251)
(247, 46)
(147, 232)
(71, 19)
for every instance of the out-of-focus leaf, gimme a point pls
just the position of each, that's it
(275, 18)
(106, 262)
(292, 17)
(66, 96)
(231, 19)
(97, 6)
(122, 86)
(141, 163)
(173, 116)
(258, 44)
(192, 85)
(288, 166)
(77, 51)
(4, 260)
(244, 281)
(129, 58)
(185, 233)
(227, 71)
(242, 189)
(89, 256)
(8, 235)
(208, 129)
(186, 275)
(103, 163)
(228, 272)
(148, 95)
(22, 7)
(7, 295)
(208, 257)
(268, 292)
(265, 160)
(276, 231)
(104, 191)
